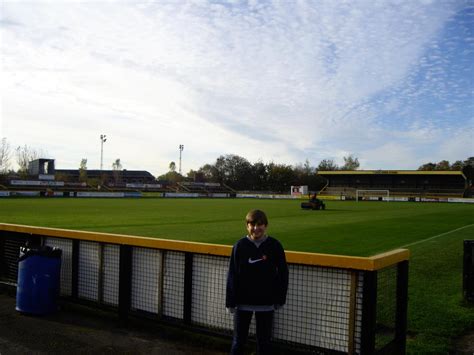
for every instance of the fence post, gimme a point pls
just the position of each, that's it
(75, 269)
(125, 281)
(188, 287)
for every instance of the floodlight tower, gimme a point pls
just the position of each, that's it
(103, 139)
(181, 147)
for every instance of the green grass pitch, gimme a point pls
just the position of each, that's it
(434, 233)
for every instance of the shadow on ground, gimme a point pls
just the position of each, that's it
(79, 329)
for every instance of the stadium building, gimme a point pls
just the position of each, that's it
(44, 169)
(406, 183)
(111, 178)
(43, 179)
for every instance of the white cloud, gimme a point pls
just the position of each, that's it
(281, 81)
(459, 143)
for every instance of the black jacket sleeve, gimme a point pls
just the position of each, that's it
(283, 276)
(231, 287)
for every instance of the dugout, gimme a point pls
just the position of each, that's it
(398, 182)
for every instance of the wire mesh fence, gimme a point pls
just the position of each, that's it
(327, 309)
(386, 306)
(146, 286)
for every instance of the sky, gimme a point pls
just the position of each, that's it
(389, 81)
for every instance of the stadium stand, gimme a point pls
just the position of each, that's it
(207, 188)
(42, 179)
(112, 178)
(406, 183)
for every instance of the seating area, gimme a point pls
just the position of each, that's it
(427, 184)
(44, 180)
(204, 187)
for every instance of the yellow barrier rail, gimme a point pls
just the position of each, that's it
(371, 263)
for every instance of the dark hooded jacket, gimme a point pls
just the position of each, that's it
(257, 275)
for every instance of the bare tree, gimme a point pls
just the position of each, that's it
(427, 167)
(24, 155)
(117, 165)
(83, 171)
(5, 155)
(172, 166)
(209, 173)
(443, 165)
(117, 170)
(457, 165)
(327, 165)
(350, 163)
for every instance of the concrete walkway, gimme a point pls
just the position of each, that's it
(78, 329)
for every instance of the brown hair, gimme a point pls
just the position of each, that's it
(256, 216)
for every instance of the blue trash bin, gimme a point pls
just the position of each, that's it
(38, 283)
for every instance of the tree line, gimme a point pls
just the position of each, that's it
(232, 170)
(238, 173)
(446, 165)
(23, 155)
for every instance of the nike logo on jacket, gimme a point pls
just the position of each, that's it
(257, 275)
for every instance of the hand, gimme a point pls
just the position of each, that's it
(230, 310)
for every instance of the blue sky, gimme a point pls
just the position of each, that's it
(391, 82)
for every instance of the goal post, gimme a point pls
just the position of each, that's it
(373, 195)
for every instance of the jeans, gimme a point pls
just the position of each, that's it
(264, 323)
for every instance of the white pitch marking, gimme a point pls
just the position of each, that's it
(436, 236)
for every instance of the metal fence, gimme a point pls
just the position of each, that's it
(335, 304)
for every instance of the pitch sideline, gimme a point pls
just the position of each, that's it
(436, 236)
